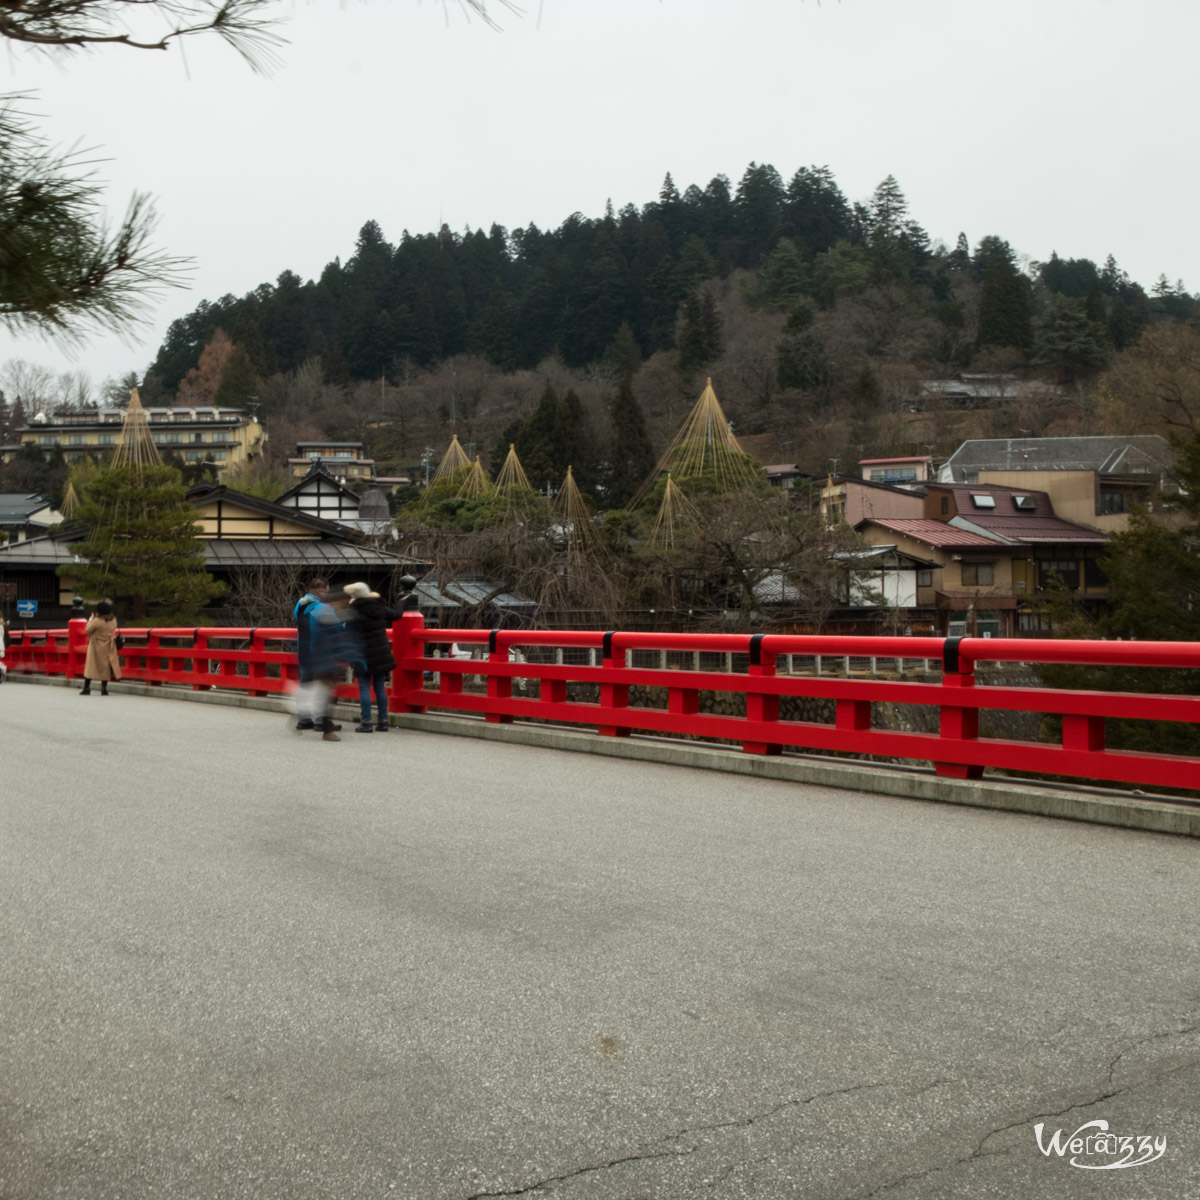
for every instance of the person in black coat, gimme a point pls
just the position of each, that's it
(373, 624)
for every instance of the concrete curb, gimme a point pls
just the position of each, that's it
(1095, 806)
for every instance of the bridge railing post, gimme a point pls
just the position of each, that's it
(613, 695)
(758, 706)
(76, 647)
(409, 675)
(499, 687)
(956, 722)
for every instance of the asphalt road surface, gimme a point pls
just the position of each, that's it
(241, 962)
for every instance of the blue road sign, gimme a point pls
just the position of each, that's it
(27, 608)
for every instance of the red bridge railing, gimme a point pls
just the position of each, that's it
(261, 661)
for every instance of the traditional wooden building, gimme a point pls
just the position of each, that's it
(266, 552)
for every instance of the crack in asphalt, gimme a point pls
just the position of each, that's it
(766, 1114)
(1153, 1037)
(980, 1152)
(550, 1179)
(738, 1123)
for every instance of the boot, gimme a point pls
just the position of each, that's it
(382, 727)
(365, 727)
(104, 687)
(86, 690)
(330, 736)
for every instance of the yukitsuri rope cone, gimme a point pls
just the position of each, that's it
(70, 502)
(135, 446)
(453, 462)
(512, 474)
(575, 521)
(475, 482)
(705, 445)
(515, 496)
(675, 513)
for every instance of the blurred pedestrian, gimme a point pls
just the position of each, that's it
(373, 622)
(319, 647)
(102, 662)
(3, 667)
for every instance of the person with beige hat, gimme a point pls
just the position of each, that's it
(373, 623)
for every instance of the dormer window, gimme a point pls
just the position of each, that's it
(984, 501)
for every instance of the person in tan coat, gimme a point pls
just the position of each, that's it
(102, 662)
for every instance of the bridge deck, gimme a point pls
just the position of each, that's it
(241, 962)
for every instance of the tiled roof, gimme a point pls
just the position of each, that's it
(37, 551)
(1132, 455)
(18, 506)
(239, 552)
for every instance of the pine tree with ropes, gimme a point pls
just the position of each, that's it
(141, 550)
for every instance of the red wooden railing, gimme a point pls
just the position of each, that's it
(261, 661)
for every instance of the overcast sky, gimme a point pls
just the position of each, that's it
(1065, 125)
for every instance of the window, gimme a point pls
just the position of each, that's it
(107, 439)
(984, 501)
(219, 456)
(1093, 576)
(46, 440)
(1063, 572)
(945, 505)
(1034, 622)
(1114, 502)
(924, 579)
(895, 475)
(75, 439)
(1025, 503)
(978, 574)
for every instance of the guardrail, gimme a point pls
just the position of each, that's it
(261, 661)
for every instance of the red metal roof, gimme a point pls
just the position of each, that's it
(1037, 524)
(932, 533)
(1039, 529)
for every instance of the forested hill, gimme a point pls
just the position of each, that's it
(515, 297)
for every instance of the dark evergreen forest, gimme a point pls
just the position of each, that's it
(513, 297)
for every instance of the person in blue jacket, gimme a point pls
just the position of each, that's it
(319, 650)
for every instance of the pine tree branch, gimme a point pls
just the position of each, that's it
(62, 271)
(80, 24)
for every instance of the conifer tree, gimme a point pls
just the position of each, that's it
(633, 456)
(700, 331)
(141, 549)
(1005, 307)
(889, 212)
(623, 353)
(960, 256)
(758, 209)
(1066, 339)
(818, 214)
(240, 383)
